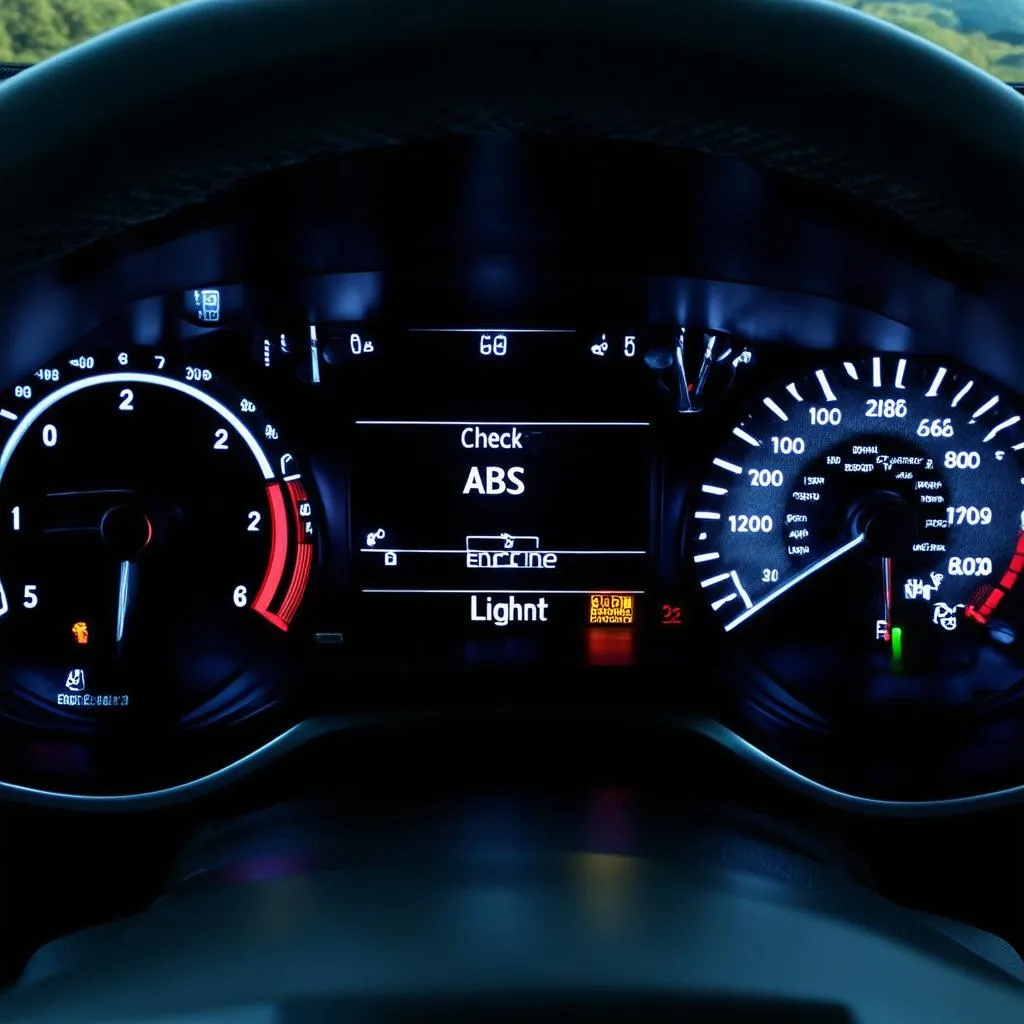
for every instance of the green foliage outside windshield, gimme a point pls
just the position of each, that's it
(33, 29)
(988, 33)
(957, 26)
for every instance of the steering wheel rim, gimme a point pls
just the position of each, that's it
(165, 112)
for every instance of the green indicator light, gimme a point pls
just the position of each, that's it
(897, 648)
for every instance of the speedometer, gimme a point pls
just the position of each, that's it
(868, 516)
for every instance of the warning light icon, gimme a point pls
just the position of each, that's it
(611, 610)
(80, 631)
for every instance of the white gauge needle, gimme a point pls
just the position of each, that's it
(803, 574)
(122, 597)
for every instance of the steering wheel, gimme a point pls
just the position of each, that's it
(166, 112)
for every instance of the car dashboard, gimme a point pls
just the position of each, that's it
(492, 427)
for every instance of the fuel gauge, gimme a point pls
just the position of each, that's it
(699, 366)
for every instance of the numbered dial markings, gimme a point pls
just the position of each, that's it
(153, 530)
(876, 495)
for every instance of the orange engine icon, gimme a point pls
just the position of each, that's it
(80, 631)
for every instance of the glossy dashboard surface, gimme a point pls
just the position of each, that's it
(520, 464)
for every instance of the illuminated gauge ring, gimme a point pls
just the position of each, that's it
(862, 526)
(222, 526)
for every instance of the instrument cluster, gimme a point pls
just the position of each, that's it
(250, 522)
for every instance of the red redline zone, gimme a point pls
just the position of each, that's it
(279, 557)
(997, 593)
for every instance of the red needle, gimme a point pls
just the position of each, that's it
(887, 597)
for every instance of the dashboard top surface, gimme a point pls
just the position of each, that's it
(934, 141)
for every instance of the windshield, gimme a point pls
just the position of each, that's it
(988, 33)
(31, 30)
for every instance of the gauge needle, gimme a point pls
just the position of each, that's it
(123, 593)
(887, 598)
(802, 575)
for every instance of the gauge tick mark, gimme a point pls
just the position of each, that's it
(960, 394)
(712, 580)
(1001, 426)
(984, 408)
(933, 390)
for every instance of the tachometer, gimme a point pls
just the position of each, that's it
(868, 516)
(156, 540)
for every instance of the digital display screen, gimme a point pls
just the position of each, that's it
(535, 525)
(505, 520)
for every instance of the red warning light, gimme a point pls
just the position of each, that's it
(607, 645)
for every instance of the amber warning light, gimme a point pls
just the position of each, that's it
(611, 609)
